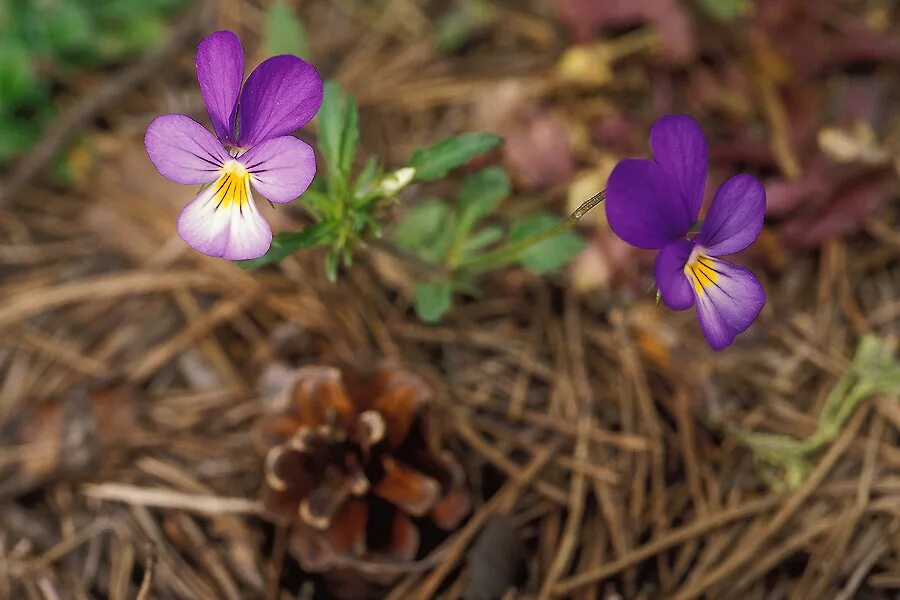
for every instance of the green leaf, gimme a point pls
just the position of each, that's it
(287, 242)
(284, 32)
(481, 239)
(725, 10)
(874, 371)
(331, 123)
(321, 203)
(456, 27)
(549, 255)
(338, 129)
(350, 136)
(433, 299)
(437, 160)
(481, 193)
(365, 182)
(332, 264)
(426, 230)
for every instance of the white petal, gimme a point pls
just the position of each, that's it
(223, 221)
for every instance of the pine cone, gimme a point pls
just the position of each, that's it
(359, 461)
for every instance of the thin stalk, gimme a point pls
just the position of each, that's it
(511, 252)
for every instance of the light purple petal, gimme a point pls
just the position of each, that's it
(220, 70)
(679, 147)
(183, 151)
(672, 283)
(729, 304)
(735, 217)
(282, 167)
(643, 206)
(281, 95)
(231, 230)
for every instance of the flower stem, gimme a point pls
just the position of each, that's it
(511, 252)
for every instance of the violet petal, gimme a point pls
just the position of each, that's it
(679, 147)
(282, 167)
(729, 303)
(220, 70)
(643, 205)
(672, 283)
(735, 217)
(281, 95)
(183, 151)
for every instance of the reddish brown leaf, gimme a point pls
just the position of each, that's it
(537, 151)
(853, 202)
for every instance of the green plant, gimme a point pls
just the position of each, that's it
(462, 242)
(458, 242)
(784, 460)
(44, 44)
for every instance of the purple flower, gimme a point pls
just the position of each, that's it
(655, 204)
(252, 148)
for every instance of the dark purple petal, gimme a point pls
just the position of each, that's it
(183, 150)
(729, 298)
(282, 167)
(735, 217)
(672, 283)
(643, 206)
(225, 224)
(220, 70)
(679, 147)
(281, 95)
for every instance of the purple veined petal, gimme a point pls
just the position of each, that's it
(281, 168)
(642, 205)
(281, 95)
(729, 298)
(679, 147)
(183, 151)
(220, 71)
(223, 221)
(671, 281)
(735, 217)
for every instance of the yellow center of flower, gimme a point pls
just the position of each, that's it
(701, 270)
(232, 187)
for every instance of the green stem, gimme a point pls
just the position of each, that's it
(511, 252)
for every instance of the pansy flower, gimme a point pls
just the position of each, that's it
(252, 149)
(655, 204)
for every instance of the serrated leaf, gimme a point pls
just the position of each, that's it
(548, 255)
(284, 31)
(426, 230)
(432, 300)
(437, 160)
(287, 242)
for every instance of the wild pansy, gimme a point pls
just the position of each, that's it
(655, 204)
(251, 150)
